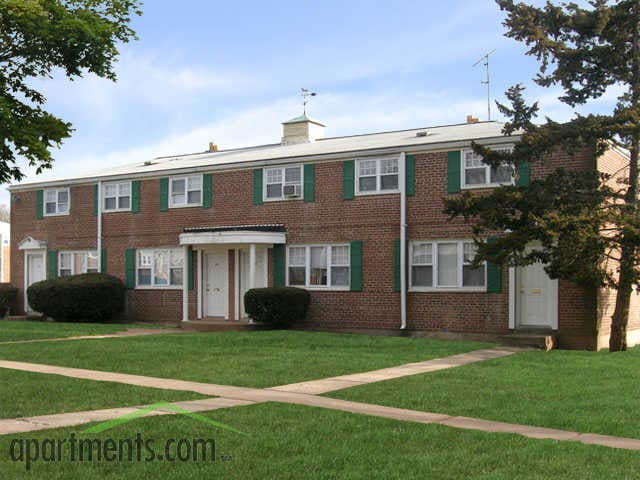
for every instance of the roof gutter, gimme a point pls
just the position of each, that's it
(433, 147)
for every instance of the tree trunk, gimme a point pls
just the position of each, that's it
(620, 318)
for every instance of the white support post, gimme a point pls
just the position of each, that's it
(252, 266)
(185, 285)
(236, 282)
(200, 289)
(99, 227)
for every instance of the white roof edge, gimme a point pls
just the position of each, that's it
(242, 165)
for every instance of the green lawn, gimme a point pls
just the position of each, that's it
(31, 330)
(295, 442)
(581, 391)
(25, 394)
(252, 359)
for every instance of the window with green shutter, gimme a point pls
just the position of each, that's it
(164, 194)
(103, 261)
(309, 183)
(207, 190)
(190, 269)
(410, 174)
(524, 174)
(257, 186)
(356, 265)
(454, 165)
(130, 267)
(96, 199)
(348, 179)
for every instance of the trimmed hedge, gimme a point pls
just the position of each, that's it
(8, 299)
(91, 297)
(277, 306)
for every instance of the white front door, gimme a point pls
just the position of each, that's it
(217, 285)
(537, 298)
(34, 272)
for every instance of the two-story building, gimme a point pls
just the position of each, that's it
(356, 220)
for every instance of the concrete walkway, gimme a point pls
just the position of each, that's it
(231, 396)
(132, 332)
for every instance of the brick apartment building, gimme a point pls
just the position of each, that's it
(356, 220)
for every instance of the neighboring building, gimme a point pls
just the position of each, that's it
(5, 252)
(190, 234)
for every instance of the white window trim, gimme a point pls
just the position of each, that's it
(85, 260)
(434, 266)
(488, 183)
(117, 197)
(186, 191)
(282, 198)
(377, 191)
(153, 266)
(44, 202)
(307, 272)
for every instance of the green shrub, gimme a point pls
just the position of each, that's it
(277, 306)
(91, 297)
(8, 299)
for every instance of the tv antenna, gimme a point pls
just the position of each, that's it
(306, 94)
(485, 59)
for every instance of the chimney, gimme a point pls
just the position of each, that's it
(301, 130)
(472, 119)
(213, 147)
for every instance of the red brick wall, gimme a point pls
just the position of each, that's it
(373, 219)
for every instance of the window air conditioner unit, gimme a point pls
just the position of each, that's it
(291, 191)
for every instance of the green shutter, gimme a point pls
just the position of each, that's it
(356, 266)
(310, 182)
(524, 174)
(348, 179)
(135, 196)
(39, 204)
(494, 274)
(53, 264)
(257, 186)
(190, 267)
(95, 199)
(103, 261)
(164, 194)
(278, 265)
(207, 190)
(396, 265)
(130, 267)
(410, 166)
(453, 171)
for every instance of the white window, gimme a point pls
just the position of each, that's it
(77, 262)
(116, 197)
(162, 267)
(185, 191)
(476, 173)
(377, 175)
(56, 201)
(445, 265)
(282, 183)
(319, 266)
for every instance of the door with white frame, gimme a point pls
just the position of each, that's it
(216, 283)
(536, 298)
(34, 271)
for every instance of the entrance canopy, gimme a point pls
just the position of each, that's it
(241, 234)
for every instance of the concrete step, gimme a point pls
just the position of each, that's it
(217, 326)
(542, 341)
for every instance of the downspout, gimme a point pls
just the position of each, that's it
(99, 220)
(402, 170)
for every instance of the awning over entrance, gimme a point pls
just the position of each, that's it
(240, 234)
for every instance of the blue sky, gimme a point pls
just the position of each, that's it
(230, 72)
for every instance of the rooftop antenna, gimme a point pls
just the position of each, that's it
(485, 59)
(306, 94)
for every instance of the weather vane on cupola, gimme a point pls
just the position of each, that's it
(306, 94)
